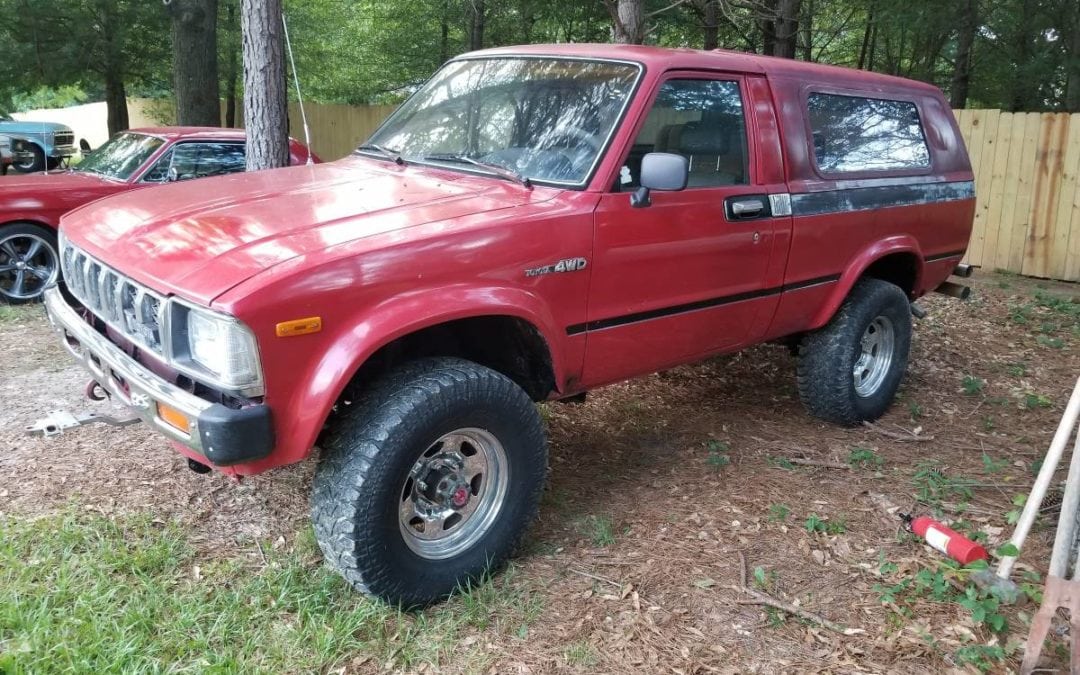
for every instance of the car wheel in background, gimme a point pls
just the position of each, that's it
(35, 162)
(28, 262)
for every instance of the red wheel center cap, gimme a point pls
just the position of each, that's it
(460, 497)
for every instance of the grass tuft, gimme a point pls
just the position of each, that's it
(88, 594)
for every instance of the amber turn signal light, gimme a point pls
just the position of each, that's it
(174, 418)
(312, 324)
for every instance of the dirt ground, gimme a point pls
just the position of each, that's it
(656, 487)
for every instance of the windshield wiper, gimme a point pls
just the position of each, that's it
(504, 171)
(393, 155)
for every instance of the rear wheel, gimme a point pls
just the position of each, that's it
(28, 262)
(850, 369)
(430, 481)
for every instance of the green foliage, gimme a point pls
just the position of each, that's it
(866, 458)
(778, 512)
(972, 385)
(599, 529)
(815, 523)
(1033, 400)
(932, 486)
(991, 465)
(718, 454)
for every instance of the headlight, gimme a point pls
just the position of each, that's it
(215, 348)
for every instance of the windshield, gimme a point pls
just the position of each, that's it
(547, 119)
(120, 156)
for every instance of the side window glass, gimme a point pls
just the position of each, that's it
(218, 159)
(159, 173)
(186, 160)
(853, 134)
(701, 120)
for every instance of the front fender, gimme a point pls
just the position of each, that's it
(372, 328)
(901, 243)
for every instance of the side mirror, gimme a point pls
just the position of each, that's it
(662, 171)
(174, 174)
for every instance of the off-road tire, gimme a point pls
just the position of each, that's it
(367, 458)
(827, 356)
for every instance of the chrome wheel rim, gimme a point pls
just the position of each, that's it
(28, 265)
(453, 494)
(875, 357)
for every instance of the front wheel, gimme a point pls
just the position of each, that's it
(32, 162)
(430, 481)
(850, 369)
(28, 262)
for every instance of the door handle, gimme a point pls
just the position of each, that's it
(746, 208)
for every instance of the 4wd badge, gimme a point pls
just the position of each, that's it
(567, 265)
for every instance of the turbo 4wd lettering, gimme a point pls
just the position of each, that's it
(567, 265)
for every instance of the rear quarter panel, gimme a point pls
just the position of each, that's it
(843, 223)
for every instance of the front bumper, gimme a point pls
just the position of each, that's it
(63, 151)
(222, 435)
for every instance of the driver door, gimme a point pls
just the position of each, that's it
(685, 276)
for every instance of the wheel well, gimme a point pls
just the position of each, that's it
(506, 344)
(901, 269)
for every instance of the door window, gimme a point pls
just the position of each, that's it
(701, 120)
(198, 160)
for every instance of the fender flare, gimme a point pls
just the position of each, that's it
(860, 262)
(376, 327)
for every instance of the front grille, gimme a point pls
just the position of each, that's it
(64, 138)
(128, 307)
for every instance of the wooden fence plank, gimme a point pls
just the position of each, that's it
(983, 180)
(995, 202)
(1007, 215)
(1068, 214)
(975, 151)
(1025, 184)
(1060, 204)
(1038, 253)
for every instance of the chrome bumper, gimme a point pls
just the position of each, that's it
(123, 377)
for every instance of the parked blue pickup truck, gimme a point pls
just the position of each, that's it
(44, 144)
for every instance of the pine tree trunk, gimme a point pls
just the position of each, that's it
(628, 21)
(786, 28)
(961, 79)
(195, 67)
(1072, 64)
(476, 24)
(711, 20)
(116, 102)
(231, 66)
(265, 95)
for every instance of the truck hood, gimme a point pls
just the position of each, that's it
(200, 238)
(56, 189)
(28, 127)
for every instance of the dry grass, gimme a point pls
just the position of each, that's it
(657, 484)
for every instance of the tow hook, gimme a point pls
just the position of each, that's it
(198, 467)
(59, 420)
(96, 392)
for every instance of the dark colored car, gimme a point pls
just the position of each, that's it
(31, 205)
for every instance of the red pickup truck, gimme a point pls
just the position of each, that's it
(532, 223)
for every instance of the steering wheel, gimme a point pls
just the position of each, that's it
(577, 134)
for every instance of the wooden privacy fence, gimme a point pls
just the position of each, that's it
(1027, 212)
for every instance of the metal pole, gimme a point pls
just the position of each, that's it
(1042, 482)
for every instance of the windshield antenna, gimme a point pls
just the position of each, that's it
(299, 96)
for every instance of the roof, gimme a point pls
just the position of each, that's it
(661, 58)
(182, 133)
